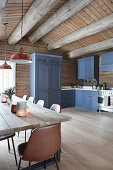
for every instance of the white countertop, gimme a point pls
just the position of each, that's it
(78, 88)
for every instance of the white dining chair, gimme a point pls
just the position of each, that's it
(56, 108)
(31, 99)
(40, 103)
(24, 97)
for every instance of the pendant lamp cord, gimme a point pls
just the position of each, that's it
(22, 23)
(5, 39)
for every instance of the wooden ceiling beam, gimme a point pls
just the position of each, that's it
(35, 13)
(91, 29)
(103, 45)
(2, 8)
(70, 8)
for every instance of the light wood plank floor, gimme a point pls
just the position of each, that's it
(87, 143)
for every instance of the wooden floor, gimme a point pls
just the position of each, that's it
(87, 143)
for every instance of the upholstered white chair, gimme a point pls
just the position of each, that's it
(56, 108)
(40, 103)
(24, 97)
(31, 99)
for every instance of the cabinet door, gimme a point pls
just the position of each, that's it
(67, 98)
(79, 98)
(42, 95)
(87, 72)
(41, 76)
(54, 97)
(55, 78)
(81, 69)
(94, 101)
(86, 68)
(91, 67)
(90, 98)
(87, 99)
(55, 73)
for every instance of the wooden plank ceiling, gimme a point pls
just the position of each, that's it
(93, 12)
(12, 15)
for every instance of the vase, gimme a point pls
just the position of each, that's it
(9, 101)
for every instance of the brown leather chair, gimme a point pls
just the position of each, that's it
(42, 145)
(7, 136)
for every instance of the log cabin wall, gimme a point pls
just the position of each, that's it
(23, 70)
(69, 72)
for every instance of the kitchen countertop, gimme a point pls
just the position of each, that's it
(79, 88)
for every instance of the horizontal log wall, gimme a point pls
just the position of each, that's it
(23, 70)
(69, 72)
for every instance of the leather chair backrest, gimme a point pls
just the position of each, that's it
(43, 143)
(56, 108)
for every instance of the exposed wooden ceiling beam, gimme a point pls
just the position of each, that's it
(103, 45)
(35, 13)
(2, 8)
(66, 11)
(91, 29)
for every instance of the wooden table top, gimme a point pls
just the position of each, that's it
(37, 117)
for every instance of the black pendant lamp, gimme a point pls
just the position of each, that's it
(5, 65)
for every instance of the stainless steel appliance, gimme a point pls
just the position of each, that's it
(105, 100)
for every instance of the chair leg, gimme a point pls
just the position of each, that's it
(31, 131)
(8, 145)
(56, 162)
(29, 165)
(18, 134)
(44, 164)
(25, 135)
(19, 164)
(14, 152)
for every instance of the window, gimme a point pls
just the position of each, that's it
(7, 77)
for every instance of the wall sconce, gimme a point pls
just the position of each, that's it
(21, 108)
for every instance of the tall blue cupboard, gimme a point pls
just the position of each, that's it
(45, 78)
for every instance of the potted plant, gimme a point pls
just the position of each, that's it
(99, 86)
(9, 92)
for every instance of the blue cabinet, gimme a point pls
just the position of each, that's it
(81, 69)
(106, 62)
(45, 78)
(79, 98)
(67, 98)
(88, 68)
(86, 99)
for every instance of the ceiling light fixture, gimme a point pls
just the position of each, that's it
(5, 65)
(21, 57)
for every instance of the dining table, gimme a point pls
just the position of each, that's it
(36, 117)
